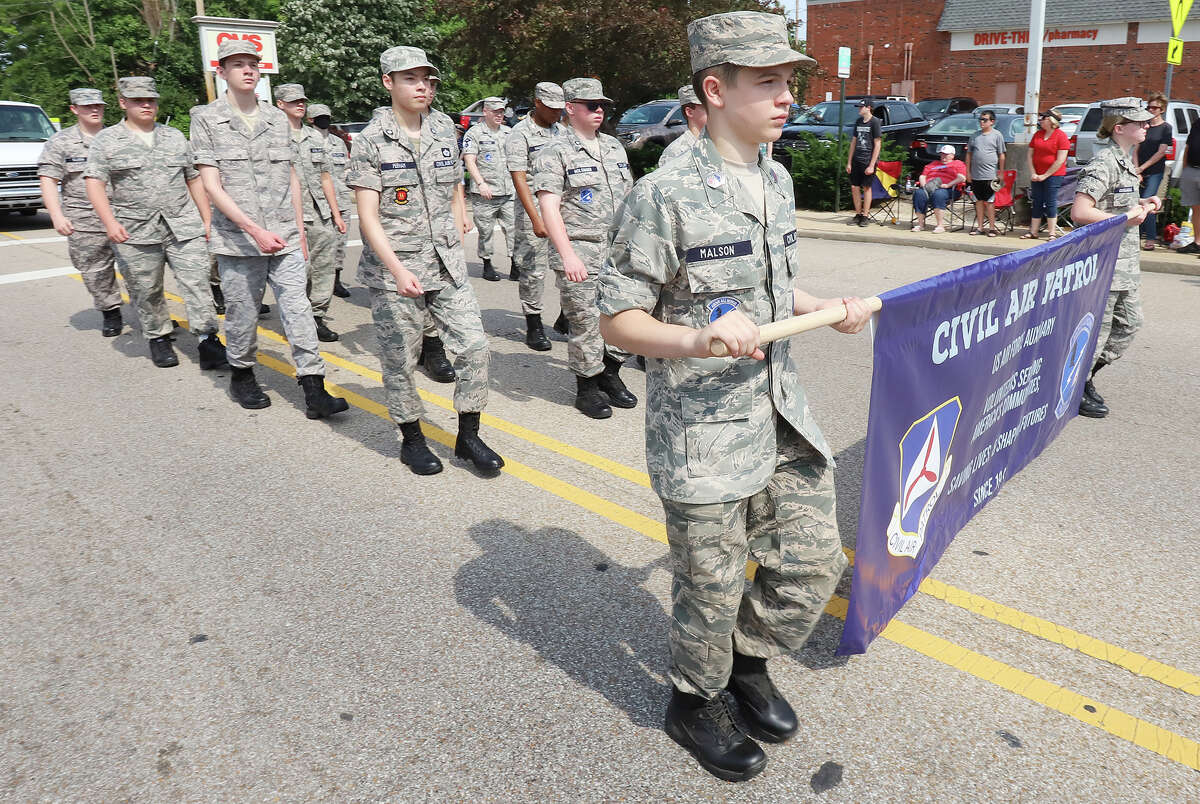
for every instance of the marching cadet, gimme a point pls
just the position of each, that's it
(704, 250)
(405, 170)
(1108, 186)
(491, 184)
(322, 219)
(243, 149)
(531, 252)
(696, 116)
(61, 163)
(159, 213)
(337, 159)
(580, 179)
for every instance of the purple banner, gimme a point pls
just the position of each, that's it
(975, 372)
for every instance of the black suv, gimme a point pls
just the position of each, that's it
(935, 109)
(900, 122)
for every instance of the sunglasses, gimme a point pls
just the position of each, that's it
(1154, 107)
(593, 106)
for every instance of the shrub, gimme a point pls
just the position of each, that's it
(819, 165)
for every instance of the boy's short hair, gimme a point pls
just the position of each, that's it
(726, 73)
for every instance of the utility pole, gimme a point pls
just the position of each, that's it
(1033, 66)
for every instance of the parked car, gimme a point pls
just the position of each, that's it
(659, 122)
(1180, 116)
(936, 108)
(1071, 113)
(957, 130)
(900, 121)
(24, 129)
(474, 113)
(1000, 108)
(347, 130)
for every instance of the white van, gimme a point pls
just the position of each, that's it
(1180, 116)
(24, 129)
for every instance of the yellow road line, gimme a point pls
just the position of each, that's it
(10, 234)
(1122, 725)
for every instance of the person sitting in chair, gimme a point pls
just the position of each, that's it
(942, 181)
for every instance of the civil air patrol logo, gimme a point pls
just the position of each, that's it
(401, 196)
(720, 306)
(487, 157)
(925, 462)
(1076, 363)
(586, 196)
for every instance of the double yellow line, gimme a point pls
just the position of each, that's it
(1120, 724)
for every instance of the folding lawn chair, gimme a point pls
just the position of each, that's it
(885, 189)
(1006, 217)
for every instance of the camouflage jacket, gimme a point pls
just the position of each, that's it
(415, 194)
(256, 172)
(312, 161)
(525, 140)
(591, 188)
(678, 147)
(149, 185)
(1110, 179)
(338, 159)
(63, 158)
(490, 157)
(688, 246)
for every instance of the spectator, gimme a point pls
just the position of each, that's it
(1152, 162)
(985, 162)
(860, 163)
(1047, 163)
(942, 181)
(1189, 183)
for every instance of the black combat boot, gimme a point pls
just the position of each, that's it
(212, 352)
(514, 273)
(339, 289)
(611, 384)
(470, 446)
(245, 391)
(706, 729)
(433, 358)
(218, 298)
(589, 399)
(535, 336)
(561, 325)
(1091, 404)
(162, 353)
(264, 309)
(768, 714)
(324, 333)
(489, 273)
(112, 323)
(318, 404)
(414, 452)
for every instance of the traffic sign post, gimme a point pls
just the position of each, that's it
(1179, 14)
(843, 74)
(1175, 51)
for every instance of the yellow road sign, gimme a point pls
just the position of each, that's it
(1179, 13)
(1175, 51)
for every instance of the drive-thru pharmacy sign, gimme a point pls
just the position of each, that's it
(215, 30)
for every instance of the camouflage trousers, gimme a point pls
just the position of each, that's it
(487, 212)
(92, 255)
(399, 324)
(531, 256)
(322, 262)
(243, 280)
(142, 266)
(1122, 320)
(585, 347)
(790, 529)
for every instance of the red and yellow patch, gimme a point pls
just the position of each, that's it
(401, 195)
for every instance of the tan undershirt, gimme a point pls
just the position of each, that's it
(750, 177)
(248, 119)
(147, 137)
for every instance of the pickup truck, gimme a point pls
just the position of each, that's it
(24, 129)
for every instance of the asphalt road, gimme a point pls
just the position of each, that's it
(202, 603)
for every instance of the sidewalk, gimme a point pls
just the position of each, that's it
(833, 226)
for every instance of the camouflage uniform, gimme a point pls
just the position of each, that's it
(530, 253)
(63, 158)
(318, 219)
(415, 194)
(591, 190)
(685, 141)
(731, 446)
(489, 149)
(337, 162)
(150, 199)
(1110, 179)
(256, 167)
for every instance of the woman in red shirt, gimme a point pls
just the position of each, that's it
(1047, 163)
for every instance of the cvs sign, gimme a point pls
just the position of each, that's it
(215, 30)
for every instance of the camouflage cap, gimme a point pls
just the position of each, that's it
(494, 104)
(236, 47)
(317, 110)
(1128, 108)
(137, 86)
(687, 96)
(290, 92)
(550, 94)
(86, 96)
(396, 59)
(744, 38)
(584, 89)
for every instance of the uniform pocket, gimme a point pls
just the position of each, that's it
(717, 430)
(585, 175)
(280, 154)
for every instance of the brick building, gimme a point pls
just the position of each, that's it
(1094, 49)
